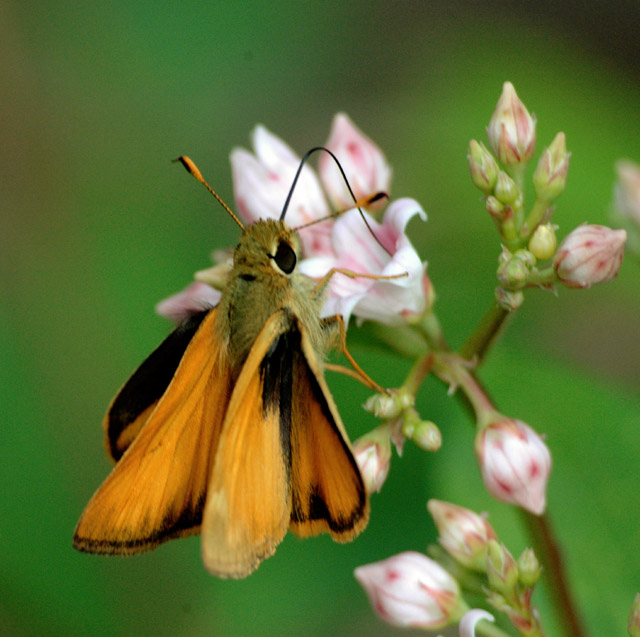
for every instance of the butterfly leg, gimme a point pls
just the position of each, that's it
(323, 282)
(358, 373)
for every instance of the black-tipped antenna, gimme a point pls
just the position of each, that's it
(346, 181)
(192, 169)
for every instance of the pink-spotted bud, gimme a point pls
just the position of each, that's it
(590, 254)
(363, 163)
(411, 590)
(373, 456)
(627, 191)
(463, 533)
(512, 130)
(515, 463)
(550, 176)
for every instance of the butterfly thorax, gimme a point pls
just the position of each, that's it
(264, 280)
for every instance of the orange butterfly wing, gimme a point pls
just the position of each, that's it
(284, 459)
(157, 489)
(138, 397)
(248, 501)
(328, 494)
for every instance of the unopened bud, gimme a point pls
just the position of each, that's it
(506, 191)
(462, 533)
(590, 254)
(389, 405)
(529, 568)
(412, 590)
(512, 130)
(484, 169)
(508, 299)
(495, 208)
(502, 569)
(633, 625)
(543, 242)
(373, 456)
(550, 176)
(515, 463)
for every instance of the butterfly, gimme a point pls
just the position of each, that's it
(228, 428)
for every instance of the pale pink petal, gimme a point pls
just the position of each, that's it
(195, 298)
(364, 164)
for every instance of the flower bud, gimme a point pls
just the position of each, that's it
(513, 275)
(363, 163)
(463, 533)
(550, 176)
(373, 456)
(389, 405)
(496, 209)
(423, 433)
(512, 130)
(484, 169)
(627, 191)
(508, 299)
(502, 569)
(410, 589)
(633, 625)
(589, 254)
(529, 568)
(515, 463)
(506, 191)
(543, 242)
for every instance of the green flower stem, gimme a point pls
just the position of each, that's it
(454, 370)
(545, 277)
(486, 629)
(547, 551)
(485, 334)
(536, 215)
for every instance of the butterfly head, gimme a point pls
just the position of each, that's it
(267, 247)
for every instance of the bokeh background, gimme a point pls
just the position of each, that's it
(97, 225)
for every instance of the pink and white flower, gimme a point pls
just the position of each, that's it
(515, 463)
(410, 589)
(262, 181)
(195, 298)
(390, 301)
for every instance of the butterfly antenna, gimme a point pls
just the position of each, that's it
(192, 169)
(358, 203)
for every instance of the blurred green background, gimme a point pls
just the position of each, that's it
(98, 225)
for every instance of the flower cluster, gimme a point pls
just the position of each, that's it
(262, 181)
(411, 589)
(588, 255)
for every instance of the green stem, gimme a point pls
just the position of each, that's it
(485, 334)
(536, 215)
(548, 552)
(487, 629)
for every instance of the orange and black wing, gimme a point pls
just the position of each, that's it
(249, 497)
(157, 489)
(133, 404)
(328, 494)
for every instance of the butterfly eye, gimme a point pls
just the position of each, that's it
(285, 257)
